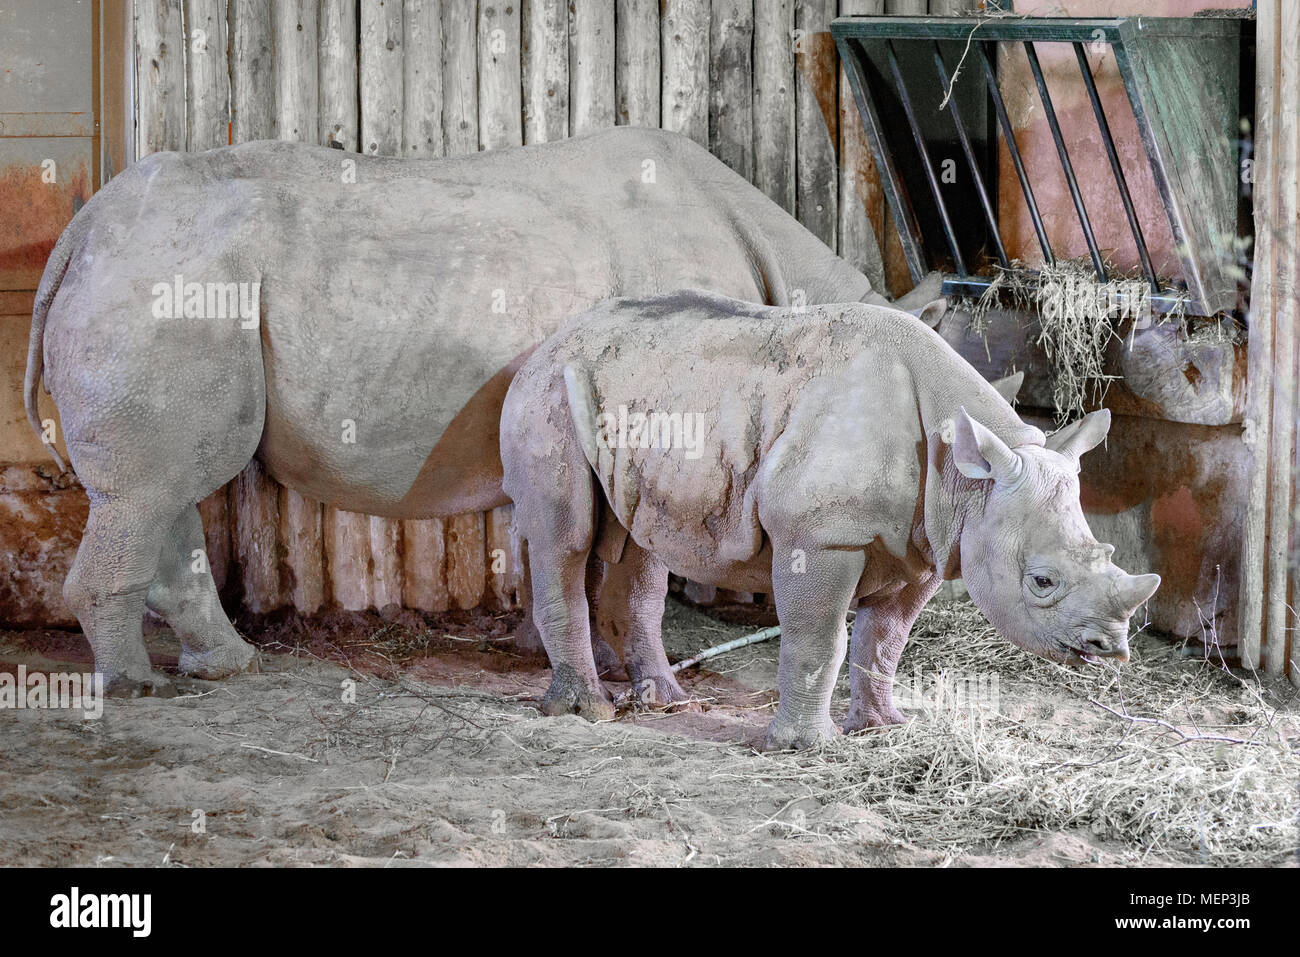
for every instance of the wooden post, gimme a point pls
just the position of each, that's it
(293, 33)
(424, 565)
(206, 89)
(862, 200)
(500, 110)
(1270, 566)
(422, 78)
(636, 62)
(302, 533)
(731, 81)
(545, 64)
(591, 65)
(257, 545)
(159, 77)
(460, 76)
(337, 81)
(685, 46)
(816, 119)
(347, 556)
(774, 109)
(466, 548)
(381, 78)
(252, 78)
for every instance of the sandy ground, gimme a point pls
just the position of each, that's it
(444, 759)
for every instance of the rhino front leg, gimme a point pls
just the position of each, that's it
(632, 604)
(812, 597)
(879, 633)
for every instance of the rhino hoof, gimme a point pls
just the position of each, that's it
(785, 735)
(153, 685)
(661, 691)
(571, 697)
(229, 658)
(866, 720)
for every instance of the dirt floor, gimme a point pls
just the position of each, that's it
(444, 759)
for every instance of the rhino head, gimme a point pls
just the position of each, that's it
(1028, 558)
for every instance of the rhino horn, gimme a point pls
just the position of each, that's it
(1132, 590)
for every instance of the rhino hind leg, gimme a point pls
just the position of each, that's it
(632, 602)
(106, 589)
(184, 594)
(563, 619)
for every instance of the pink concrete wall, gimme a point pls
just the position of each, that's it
(1088, 155)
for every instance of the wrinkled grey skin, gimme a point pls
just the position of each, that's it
(396, 298)
(849, 457)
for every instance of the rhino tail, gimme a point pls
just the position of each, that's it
(583, 413)
(55, 268)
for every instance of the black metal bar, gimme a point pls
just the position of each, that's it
(854, 58)
(1162, 300)
(1113, 155)
(989, 213)
(949, 233)
(1037, 69)
(1009, 134)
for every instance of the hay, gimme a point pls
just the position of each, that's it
(1182, 758)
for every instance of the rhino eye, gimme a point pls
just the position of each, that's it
(1043, 586)
(1043, 583)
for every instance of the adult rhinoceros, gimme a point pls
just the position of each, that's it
(354, 323)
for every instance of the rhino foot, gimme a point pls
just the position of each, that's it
(784, 734)
(864, 719)
(569, 694)
(608, 663)
(661, 690)
(151, 685)
(221, 661)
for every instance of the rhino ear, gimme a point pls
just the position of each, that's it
(1009, 386)
(1082, 436)
(979, 454)
(931, 312)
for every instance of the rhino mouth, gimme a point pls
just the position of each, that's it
(1075, 655)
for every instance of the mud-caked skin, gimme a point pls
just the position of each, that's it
(837, 456)
(353, 322)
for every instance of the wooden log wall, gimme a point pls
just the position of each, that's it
(756, 81)
(1271, 546)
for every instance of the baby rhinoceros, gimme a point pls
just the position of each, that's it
(832, 455)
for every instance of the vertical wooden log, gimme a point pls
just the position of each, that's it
(731, 85)
(500, 107)
(503, 559)
(293, 33)
(636, 62)
(381, 77)
(424, 565)
(347, 558)
(862, 199)
(545, 63)
(466, 549)
(1270, 570)
(255, 497)
(386, 561)
(774, 101)
(685, 52)
(337, 74)
(422, 78)
(591, 65)
(159, 76)
(214, 512)
(460, 76)
(208, 77)
(252, 76)
(816, 119)
(302, 533)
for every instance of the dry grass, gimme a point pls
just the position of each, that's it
(1161, 755)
